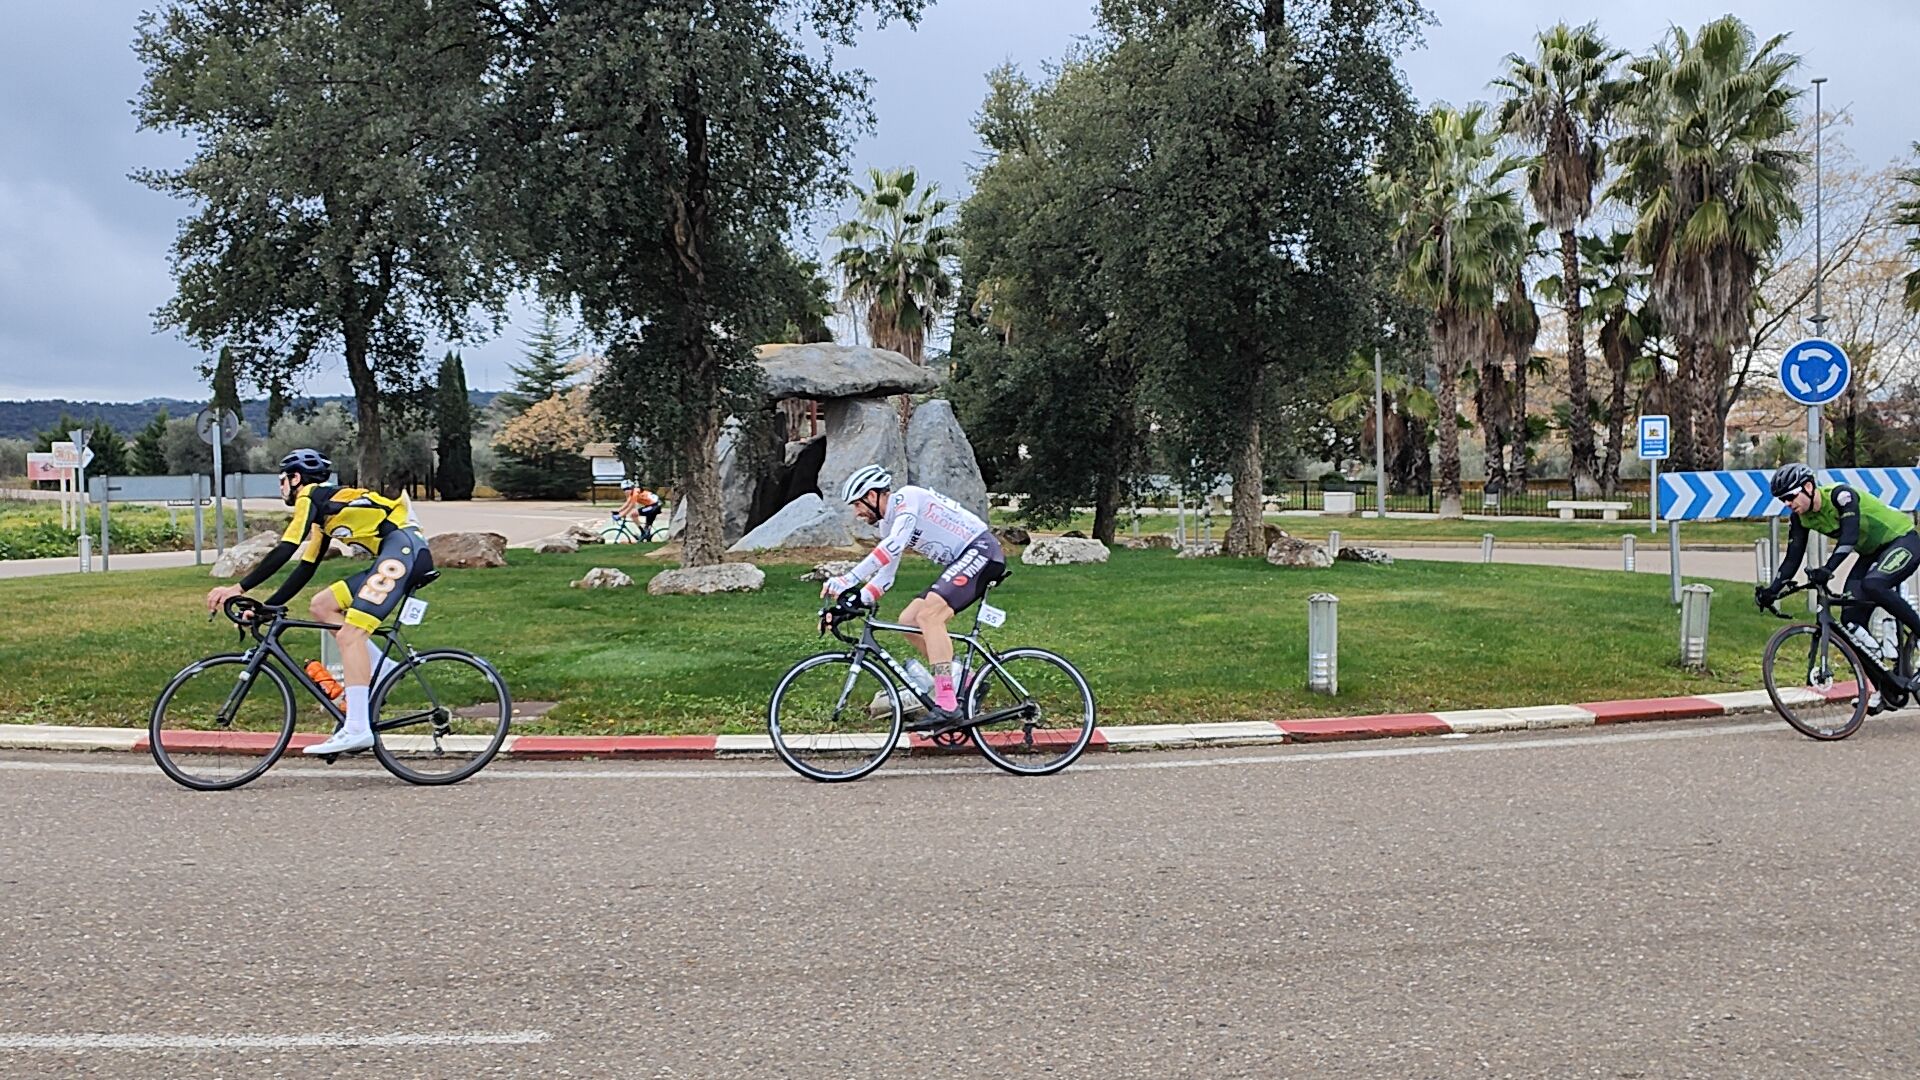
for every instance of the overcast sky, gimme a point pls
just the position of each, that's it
(83, 249)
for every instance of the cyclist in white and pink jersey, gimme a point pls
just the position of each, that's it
(923, 520)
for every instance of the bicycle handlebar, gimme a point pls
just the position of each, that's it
(845, 607)
(1827, 597)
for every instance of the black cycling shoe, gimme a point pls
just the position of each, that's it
(939, 721)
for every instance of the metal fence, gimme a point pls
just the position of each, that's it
(1311, 495)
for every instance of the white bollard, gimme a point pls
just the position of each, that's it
(1626, 552)
(86, 553)
(1695, 603)
(1333, 543)
(1323, 643)
(1486, 547)
(1762, 568)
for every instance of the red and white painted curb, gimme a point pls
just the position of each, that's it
(1123, 737)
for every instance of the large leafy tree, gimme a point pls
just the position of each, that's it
(1048, 362)
(1254, 130)
(1710, 180)
(1460, 239)
(1559, 102)
(665, 148)
(334, 212)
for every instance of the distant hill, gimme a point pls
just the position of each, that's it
(25, 419)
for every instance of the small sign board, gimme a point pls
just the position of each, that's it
(1655, 436)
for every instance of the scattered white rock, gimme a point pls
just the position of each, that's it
(705, 580)
(1064, 551)
(603, 577)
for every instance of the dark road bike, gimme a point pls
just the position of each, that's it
(439, 715)
(1820, 681)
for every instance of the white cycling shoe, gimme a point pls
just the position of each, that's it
(342, 742)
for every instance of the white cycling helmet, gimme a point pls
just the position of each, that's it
(864, 479)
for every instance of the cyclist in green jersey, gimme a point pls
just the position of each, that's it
(1883, 537)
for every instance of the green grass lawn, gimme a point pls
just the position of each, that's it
(30, 528)
(1160, 639)
(1359, 530)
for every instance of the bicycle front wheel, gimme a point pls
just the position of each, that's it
(833, 718)
(440, 717)
(1816, 682)
(213, 729)
(1055, 720)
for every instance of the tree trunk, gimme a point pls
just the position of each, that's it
(1579, 407)
(1680, 398)
(1709, 418)
(1618, 361)
(1244, 532)
(1448, 422)
(1489, 406)
(1106, 506)
(366, 396)
(702, 540)
(1517, 425)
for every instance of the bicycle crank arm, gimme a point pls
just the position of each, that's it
(1023, 711)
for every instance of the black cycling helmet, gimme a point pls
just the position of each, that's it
(307, 463)
(1788, 478)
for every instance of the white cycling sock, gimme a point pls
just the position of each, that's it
(378, 656)
(357, 720)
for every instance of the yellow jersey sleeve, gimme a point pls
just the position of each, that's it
(300, 531)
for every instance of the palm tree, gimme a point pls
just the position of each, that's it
(1559, 103)
(1519, 330)
(1711, 186)
(1618, 287)
(1409, 409)
(895, 260)
(1908, 213)
(1459, 237)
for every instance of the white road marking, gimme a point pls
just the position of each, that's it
(1287, 755)
(328, 1039)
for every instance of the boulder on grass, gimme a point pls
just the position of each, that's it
(830, 568)
(603, 577)
(1199, 549)
(561, 544)
(586, 532)
(1365, 555)
(1012, 536)
(1291, 552)
(1063, 551)
(807, 521)
(240, 559)
(705, 580)
(468, 550)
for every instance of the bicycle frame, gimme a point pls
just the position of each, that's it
(268, 646)
(1829, 624)
(977, 646)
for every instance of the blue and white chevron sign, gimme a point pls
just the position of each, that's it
(1716, 496)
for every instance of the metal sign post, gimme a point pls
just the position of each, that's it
(1654, 438)
(215, 427)
(79, 437)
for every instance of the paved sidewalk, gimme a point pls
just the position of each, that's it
(1119, 737)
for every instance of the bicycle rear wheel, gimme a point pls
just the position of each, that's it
(440, 717)
(1816, 682)
(1056, 721)
(834, 719)
(212, 730)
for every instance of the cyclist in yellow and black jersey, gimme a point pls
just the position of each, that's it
(367, 520)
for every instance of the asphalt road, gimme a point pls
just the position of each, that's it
(1672, 900)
